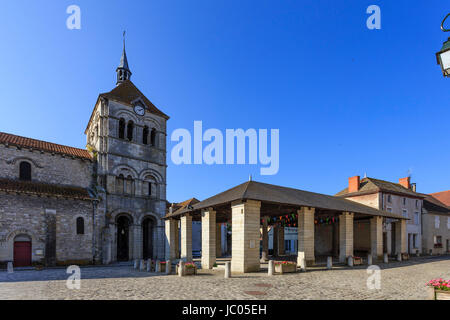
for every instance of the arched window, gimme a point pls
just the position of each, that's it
(120, 184)
(130, 128)
(150, 189)
(80, 225)
(25, 171)
(122, 128)
(153, 137)
(145, 135)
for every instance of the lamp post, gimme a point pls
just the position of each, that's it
(443, 56)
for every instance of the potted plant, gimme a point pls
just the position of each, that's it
(357, 261)
(285, 266)
(190, 268)
(439, 289)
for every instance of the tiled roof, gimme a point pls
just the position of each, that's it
(443, 197)
(46, 189)
(434, 206)
(178, 207)
(127, 92)
(13, 140)
(274, 194)
(371, 185)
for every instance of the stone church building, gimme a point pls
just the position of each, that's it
(61, 205)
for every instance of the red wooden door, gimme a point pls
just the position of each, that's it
(22, 253)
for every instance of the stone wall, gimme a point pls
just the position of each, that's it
(29, 215)
(45, 167)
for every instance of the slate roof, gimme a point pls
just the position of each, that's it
(127, 92)
(371, 185)
(46, 189)
(443, 196)
(264, 192)
(13, 140)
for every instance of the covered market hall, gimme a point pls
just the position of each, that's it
(327, 226)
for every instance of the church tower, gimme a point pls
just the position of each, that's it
(127, 135)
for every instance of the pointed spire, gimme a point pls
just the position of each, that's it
(123, 71)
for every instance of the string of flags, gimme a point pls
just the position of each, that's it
(291, 220)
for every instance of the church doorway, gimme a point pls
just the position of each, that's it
(147, 238)
(22, 251)
(123, 233)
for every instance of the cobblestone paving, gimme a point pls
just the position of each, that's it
(405, 280)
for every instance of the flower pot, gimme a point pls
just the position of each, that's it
(190, 271)
(285, 268)
(162, 267)
(441, 295)
(357, 261)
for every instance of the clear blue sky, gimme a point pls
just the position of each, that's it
(347, 100)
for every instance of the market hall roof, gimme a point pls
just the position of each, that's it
(443, 197)
(268, 193)
(371, 185)
(12, 140)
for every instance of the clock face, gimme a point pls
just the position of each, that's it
(138, 109)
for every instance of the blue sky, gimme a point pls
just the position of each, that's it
(347, 100)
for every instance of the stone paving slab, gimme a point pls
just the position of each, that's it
(399, 280)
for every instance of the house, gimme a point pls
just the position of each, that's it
(400, 198)
(435, 226)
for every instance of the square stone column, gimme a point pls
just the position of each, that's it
(306, 235)
(281, 240)
(400, 236)
(171, 239)
(265, 239)
(208, 238)
(218, 240)
(345, 236)
(186, 238)
(245, 239)
(376, 238)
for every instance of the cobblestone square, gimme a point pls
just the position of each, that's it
(399, 280)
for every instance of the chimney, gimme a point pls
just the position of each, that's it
(405, 182)
(413, 187)
(353, 184)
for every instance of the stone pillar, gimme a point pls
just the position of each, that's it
(227, 270)
(245, 240)
(400, 236)
(281, 240)
(265, 240)
(376, 238)
(306, 235)
(218, 240)
(208, 238)
(389, 238)
(329, 263)
(171, 239)
(345, 236)
(137, 242)
(186, 238)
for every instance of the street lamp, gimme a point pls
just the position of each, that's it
(443, 56)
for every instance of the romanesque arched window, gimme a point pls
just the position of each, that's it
(130, 128)
(120, 180)
(25, 171)
(153, 137)
(145, 135)
(80, 225)
(122, 128)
